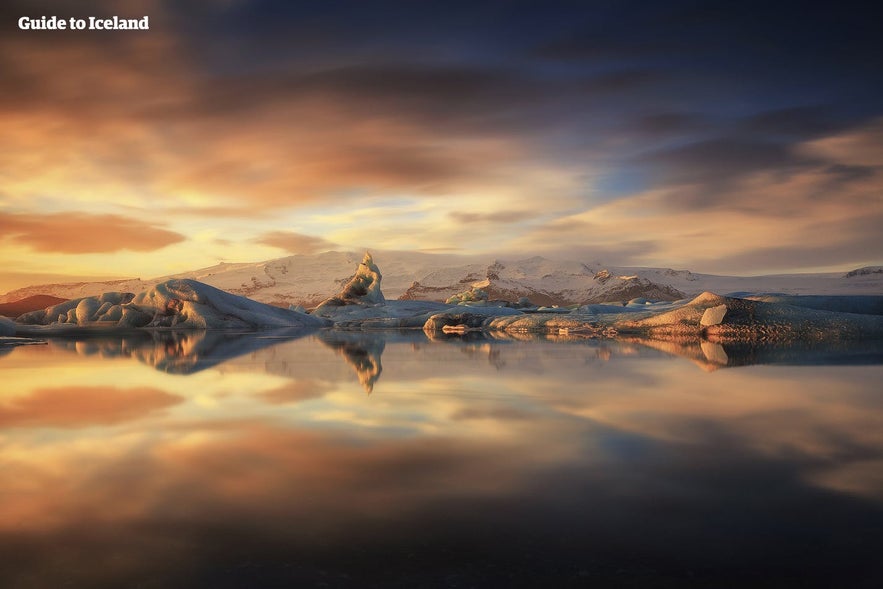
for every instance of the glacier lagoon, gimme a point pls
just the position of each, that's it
(339, 459)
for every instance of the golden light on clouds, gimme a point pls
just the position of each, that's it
(80, 233)
(177, 132)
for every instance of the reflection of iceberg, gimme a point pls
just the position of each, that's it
(774, 319)
(177, 352)
(360, 351)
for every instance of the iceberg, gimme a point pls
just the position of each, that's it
(178, 304)
(729, 319)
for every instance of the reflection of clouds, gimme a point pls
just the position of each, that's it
(248, 467)
(500, 391)
(502, 413)
(296, 391)
(71, 407)
(820, 416)
(448, 434)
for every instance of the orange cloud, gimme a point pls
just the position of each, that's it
(78, 233)
(72, 407)
(140, 125)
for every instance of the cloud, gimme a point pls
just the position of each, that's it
(799, 122)
(76, 233)
(716, 161)
(667, 123)
(769, 177)
(859, 146)
(74, 407)
(295, 243)
(750, 217)
(495, 217)
(207, 120)
(590, 45)
(620, 81)
(147, 132)
(849, 241)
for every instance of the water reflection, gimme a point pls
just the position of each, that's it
(712, 356)
(176, 352)
(361, 351)
(186, 352)
(257, 460)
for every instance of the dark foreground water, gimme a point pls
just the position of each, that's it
(219, 460)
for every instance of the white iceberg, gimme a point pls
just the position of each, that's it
(179, 304)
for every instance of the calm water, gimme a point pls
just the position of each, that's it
(213, 460)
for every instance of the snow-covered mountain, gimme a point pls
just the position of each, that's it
(309, 279)
(545, 282)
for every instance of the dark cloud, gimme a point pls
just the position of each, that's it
(589, 45)
(793, 122)
(669, 123)
(620, 81)
(843, 173)
(708, 169)
(78, 233)
(448, 99)
(295, 243)
(718, 158)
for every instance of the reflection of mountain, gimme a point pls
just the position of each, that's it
(187, 352)
(360, 351)
(178, 352)
(712, 356)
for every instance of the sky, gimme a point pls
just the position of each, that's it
(721, 137)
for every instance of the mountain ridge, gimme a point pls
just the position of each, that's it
(308, 279)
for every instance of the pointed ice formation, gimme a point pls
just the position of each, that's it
(362, 289)
(364, 286)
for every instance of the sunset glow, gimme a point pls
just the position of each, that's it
(726, 142)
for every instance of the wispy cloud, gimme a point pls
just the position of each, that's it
(295, 243)
(78, 233)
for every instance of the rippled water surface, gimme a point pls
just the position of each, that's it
(350, 460)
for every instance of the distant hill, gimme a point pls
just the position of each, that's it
(28, 304)
(310, 279)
